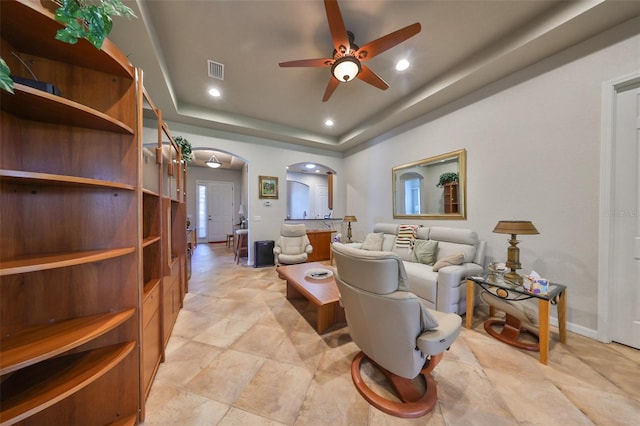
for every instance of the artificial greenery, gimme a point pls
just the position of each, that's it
(5, 77)
(185, 147)
(447, 178)
(88, 19)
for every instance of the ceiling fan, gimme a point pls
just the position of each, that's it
(347, 62)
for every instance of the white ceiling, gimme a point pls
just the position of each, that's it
(463, 46)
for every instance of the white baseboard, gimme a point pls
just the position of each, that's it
(578, 329)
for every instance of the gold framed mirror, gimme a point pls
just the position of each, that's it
(432, 188)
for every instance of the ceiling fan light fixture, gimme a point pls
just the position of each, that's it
(346, 68)
(213, 162)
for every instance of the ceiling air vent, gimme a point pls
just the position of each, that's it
(216, 69)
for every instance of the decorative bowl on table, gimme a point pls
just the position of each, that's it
(319, 273)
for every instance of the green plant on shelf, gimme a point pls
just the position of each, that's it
(447, 177)
(88, 19)
(185, 147)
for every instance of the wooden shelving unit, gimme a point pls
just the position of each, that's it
(69, 235)
(451, 197)
(93, 230)
(163, 213)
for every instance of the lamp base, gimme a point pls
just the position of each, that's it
(513, 276)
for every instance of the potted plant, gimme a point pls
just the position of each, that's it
(447, 177)
(86, 19)
(185, 147)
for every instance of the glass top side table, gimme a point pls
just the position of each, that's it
(513, 292)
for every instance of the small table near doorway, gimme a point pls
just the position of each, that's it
(322, 292)
(557, 295)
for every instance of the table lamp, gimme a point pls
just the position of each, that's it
(349, 219)
(514, 227)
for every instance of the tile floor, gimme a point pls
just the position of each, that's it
(241, 354)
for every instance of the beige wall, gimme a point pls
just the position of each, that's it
(533, 153)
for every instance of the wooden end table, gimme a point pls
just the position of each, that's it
(557, 295)
(323, 293)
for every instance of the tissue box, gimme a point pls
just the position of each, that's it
(536, 285)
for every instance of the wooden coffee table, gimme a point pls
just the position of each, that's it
(323, 293)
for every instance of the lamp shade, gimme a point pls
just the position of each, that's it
(518, 227)
(350, 219)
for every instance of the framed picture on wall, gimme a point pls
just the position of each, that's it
(268, 187)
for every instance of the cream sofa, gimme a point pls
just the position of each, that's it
(444, 290)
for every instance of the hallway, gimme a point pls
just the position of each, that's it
(241, 354)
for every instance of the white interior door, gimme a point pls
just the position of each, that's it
(626, 223)
(219, 210)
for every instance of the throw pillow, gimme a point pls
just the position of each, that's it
(373, 242)
(454, 259)
(425, 251)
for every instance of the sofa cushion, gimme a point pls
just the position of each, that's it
(423, 282)
(425, 251)
(455, 259)
(373, 241)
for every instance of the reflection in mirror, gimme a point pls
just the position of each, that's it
(308, 192)
(433, 188)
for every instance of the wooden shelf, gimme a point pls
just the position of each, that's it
(18, 21)
(42, 262)
(38, 387)
(127, 421)
(147, 192)
(37, 344)
(33, 104)
(23, 177)
(150, 240)
(149, 287)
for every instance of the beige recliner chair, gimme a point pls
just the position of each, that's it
(392, 327)
(293, 246)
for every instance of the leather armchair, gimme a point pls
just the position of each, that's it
(293, 246)
(392, 327)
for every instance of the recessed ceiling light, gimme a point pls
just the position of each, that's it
(214, 92)
(402, 65)
(329, 122)
(310, 166)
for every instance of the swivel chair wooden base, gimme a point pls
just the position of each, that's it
(414, 403)
(512, 329)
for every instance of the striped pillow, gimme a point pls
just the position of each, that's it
(406, 235)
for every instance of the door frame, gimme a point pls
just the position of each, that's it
(610, 90)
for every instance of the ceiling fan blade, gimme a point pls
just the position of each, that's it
(324, 62)
(372, 78)
(331, 87)
(336, 26)
(385, 43)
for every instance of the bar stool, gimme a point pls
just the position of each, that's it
(240, 247)
(229, 240)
